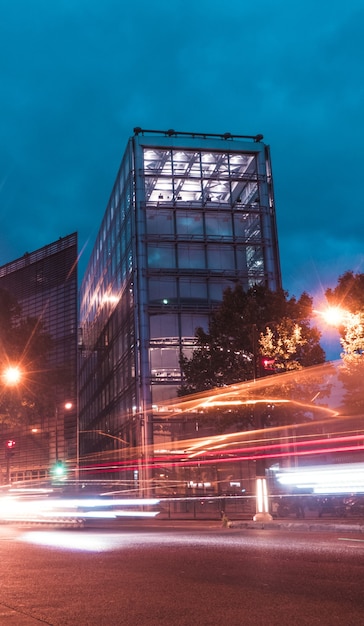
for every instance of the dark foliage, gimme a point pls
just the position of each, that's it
(229, 351)
(349, 295)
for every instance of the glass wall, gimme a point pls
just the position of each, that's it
(187, 218)
(203, 232)
(107, 371)
(44, 283)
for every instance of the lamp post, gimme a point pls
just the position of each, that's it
(294, 328)
(67, 406)
(261, 491)
(261, 488)
(9, 451)
(262, 505)
(11, 376)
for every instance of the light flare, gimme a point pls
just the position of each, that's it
(26, 509)
(346, 478)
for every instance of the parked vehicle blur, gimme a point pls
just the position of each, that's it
(354, 505)
(288, 506)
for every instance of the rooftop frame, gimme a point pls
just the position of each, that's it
(175, 133)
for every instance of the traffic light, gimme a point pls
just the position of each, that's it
(59, 469)
(10, 448)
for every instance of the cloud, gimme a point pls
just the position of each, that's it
(78, 76)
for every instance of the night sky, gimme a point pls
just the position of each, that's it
(78, 75)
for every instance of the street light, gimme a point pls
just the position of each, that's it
(9, 452)
(67, 406)
(348, 325)
(261, 496)
(12, 375)
(261, 487)
(335, 316)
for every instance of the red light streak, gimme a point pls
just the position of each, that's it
(330, 446)
(290, 444)
(275, 455)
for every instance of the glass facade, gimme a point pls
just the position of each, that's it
(44, 283)
(188, 216)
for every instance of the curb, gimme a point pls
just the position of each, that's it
(301, 526)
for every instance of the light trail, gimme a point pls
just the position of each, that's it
(19, 508)
(269, 451)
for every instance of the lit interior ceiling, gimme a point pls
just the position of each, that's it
(191, 176)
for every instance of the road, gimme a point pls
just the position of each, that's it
(180, 574)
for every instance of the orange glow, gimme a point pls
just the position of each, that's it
(253, 401)
(12, 375)
(335, 316)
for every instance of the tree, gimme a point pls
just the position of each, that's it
(24, 343)
(246, 327)
(352, 367)
(349, 295)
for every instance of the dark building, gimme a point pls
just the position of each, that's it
(44, 283)
(189, 215)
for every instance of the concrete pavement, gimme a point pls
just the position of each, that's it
(302, 525)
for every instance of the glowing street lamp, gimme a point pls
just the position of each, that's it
(9, 452)
(350, 327)
(67, 406)
(335, 319)
(12, 375)
(335, 316)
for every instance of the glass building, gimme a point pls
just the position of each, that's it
(44, 283)
(189, 215)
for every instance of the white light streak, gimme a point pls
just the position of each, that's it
(43, 509)
(341, 478)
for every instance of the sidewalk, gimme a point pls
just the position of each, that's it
(310, 523)
(302, 525)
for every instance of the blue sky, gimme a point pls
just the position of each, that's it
(78, 75)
